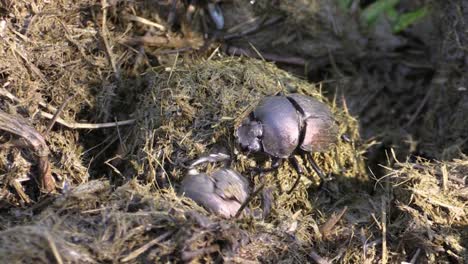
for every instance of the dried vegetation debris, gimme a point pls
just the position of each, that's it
(40, 68)
(432, 200)
(93, 223)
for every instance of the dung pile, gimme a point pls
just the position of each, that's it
(186, 110)
(195, 105)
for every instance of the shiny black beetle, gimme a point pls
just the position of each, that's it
(222, 192)
(284, 125)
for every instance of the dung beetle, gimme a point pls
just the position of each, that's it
(222, 192)
(284, 125)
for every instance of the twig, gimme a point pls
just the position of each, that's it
(444, 171)
(147, 246)
(384, 231)
(31, 65)
(59, 120)
(146, 40)
(56, 115)
(54, 249)
(189, 255)
(87, 125)
(458, 210)
(420, 107)
(15, 99)
(433, 171)
(328, 226)
(19, 127)
(317, 258)
(19, 189)
(173, 51)
(7, 94)
(146, 22)
(106, 41)
(415, 256)
(69, 37)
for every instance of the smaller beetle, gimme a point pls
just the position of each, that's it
(284, 125)
(222, 192)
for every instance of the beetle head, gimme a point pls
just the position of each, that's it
(249, 135)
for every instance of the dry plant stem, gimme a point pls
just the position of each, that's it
(30, 65)
(72, 125)
(54, 249)
(106, 41)
(87, 125)
(430, 199)
(15, 99)
(20, 128)
(146, 22)
(318, 259)
(189, 255)
(147, 246)
(420, 108)
(384, 230)
(326, 228)
(56, 115)
(7, 94)
(80, 48)
(19, 189)
(147, 40)
(415, 257)
(173, 51)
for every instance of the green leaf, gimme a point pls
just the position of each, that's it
(345, 4)
(407, 19)
(372, 12)
(392, 14)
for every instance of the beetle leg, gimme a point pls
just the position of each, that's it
(216, 15)
(346, 139)
(275, 164)
(299, 171)
(172, 14)
(316, 167)
(267, 201)
(251, 196)
(213, 157)
(190, 11)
